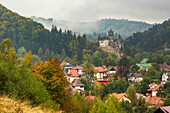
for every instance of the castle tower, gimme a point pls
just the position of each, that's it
(110, 34)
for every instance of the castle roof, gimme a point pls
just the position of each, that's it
(103, 38)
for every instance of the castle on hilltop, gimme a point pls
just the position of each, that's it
(111, 45)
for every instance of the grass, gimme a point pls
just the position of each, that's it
(9, 105)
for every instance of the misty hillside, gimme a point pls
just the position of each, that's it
(93, 29)
(154, 39)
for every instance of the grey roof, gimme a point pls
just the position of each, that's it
(78, 83)
(136, 75)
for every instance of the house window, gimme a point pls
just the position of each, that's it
(81, 86)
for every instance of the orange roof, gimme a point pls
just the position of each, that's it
(108, 73)
(72, 73)
(150, 85)
(99, 69)
(119, 95)
(90, 97)
(153, 89)
(153, 100)
(63, 63)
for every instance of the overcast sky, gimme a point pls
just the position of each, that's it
(151, 11)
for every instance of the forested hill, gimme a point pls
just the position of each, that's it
(155, 38)
(24, 32)
(93, 29)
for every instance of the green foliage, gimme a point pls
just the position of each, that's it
(99, 106)
(17, 80)
(134, 69)
(126, 106)
(119, 86)
(151, 40)
(152, 73)
(98, 89)
(131, 93)
(52, 76)
(24, 32)
(81, 105)
(141, 106)
(89, 70)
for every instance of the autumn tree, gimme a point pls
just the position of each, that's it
(51, 74)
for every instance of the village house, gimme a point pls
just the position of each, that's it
(72, 74)
(154, 100)
(144, 65)
(135, 77)
(67, 67)
(166, 76)
(121, 96)
(100, 73)
(152, 89)
(79, 69)
(77, 85)
(164, 67)
(111, 70)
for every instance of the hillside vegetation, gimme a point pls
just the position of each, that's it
(93, 29)
(24, 32)
(151, 40)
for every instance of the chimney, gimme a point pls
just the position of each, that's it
(89, 93)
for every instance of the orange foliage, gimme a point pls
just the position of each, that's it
(51, 74)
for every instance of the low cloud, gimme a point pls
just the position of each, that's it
(152, 11)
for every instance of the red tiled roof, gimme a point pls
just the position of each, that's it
(119, 95)
(90, 97)
(99, 69)
(103, 38)
(150, 85)
(72, 73)
(108, 73)
(153, 100)
(78, 67)
(63, 63)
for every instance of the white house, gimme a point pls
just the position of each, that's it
(78, 69)
(78, 85)
(166, 76)
(72, 74)
(100, 73)
(135, 77)
(111, 70)
(152, 88)
(68, 67)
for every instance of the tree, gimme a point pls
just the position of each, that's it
(156, 66)
(141, 106)
(109, 61)
(98, 89)
(131, 93)
(119, 86)
(152, 73)
(99, 106)
(51, 74)
(123, 66)
(21, 52)
(134, 69)
(112, 105)
(126, 106)
(89, 70)
(28, 59)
